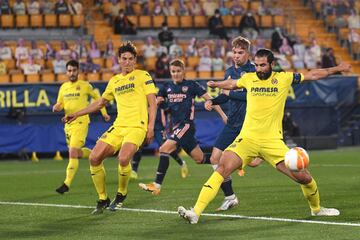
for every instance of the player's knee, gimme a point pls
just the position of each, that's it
(73, 152)
(164, 149)
(124, 159)
(95, 159)
(303, 178)
(214, 160)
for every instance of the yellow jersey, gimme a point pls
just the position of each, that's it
(265, 103)
(74, 96)
(129, 92)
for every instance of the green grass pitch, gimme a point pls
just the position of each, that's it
(263, 192)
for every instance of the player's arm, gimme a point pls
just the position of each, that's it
(229, 84)
(95, 95)
(93, 107)
(59, 105)
(151, 98)
(316, 74)
(217, 108)
(235, 95)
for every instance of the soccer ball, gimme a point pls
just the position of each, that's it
(296, 159)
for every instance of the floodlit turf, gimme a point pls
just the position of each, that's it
(263, 192)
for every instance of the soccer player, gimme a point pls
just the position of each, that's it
(159, 137)
(178, 97)
(262, 132)
(135, 95)
(236, 115)
(73, 96)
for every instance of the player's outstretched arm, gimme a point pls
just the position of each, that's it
(217, 108)
(227, 84)
(57, 107)
(316, 74)
(93, 107)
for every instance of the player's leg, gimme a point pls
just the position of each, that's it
(135, 164)
(165, 149)
(225, 138)
(229, 162)
(133, 139)
(101, 151)
(76, 136)
(274, 153)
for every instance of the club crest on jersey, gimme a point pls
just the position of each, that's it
(185, 89)
(242, 73)
(78, 88)
(168, 90)
(274, 81)
(132, 78)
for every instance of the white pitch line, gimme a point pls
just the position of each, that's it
(174, 212)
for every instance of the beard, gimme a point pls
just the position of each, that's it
(264, 75)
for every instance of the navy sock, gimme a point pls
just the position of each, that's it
(176, 157)
(226, 187)
(206, 159)
(162, 168)
(136, 160)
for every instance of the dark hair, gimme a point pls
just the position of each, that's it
(73, 63)
(178, 63)
(263, 52)
(127, 47)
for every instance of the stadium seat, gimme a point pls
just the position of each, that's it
(78, 20)
(50, 20)
(228, 21)
(36, 21)
(64, 20)
(4, 78)
(279, 20)
(10, 64)
(62, 77)
(150, 63)
(82, 76)
(206, 75)
(108, 63)
(17, 78)
(218, 74)
(158, 21)
(48, 77)
(7, 21)
(134, 20)
(144, 22)
(33, 78)
(22, 21)
(266, 21)
(193, 62)
(172, 21)
(105, 76)
(91, 77)
(237, 20)
(186, 21)
(191, 74)
(200, 22)
(99, 61)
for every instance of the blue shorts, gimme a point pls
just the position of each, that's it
(226, 137)
(184, 135)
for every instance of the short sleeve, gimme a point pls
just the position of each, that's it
(149, 85)
(241, 82)
(108, 93)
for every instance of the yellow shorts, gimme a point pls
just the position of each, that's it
(75, 134)
(117, 136)
(271, 150)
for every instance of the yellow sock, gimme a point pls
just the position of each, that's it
(98, 176)
(71, 170)
(85, 152)
(311, 193)
(124, 177)
(208, 192)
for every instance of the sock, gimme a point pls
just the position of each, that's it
(214, 166)
(208, 192)
(311, 193)
(124, 177)
(162, 168)
(98, 176)
(85, 152)
(176, 157)
(206, 159)
(136, 160)
(71, 170)
(226, 187)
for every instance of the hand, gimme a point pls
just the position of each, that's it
(69, 118)
(149, 135)
(159, 100)
(226, 92)
(344, 67)
(106, 117)
(212, 84)
(56, 108)
(208, 105)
